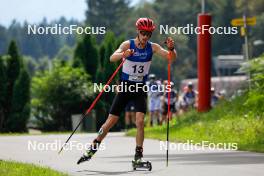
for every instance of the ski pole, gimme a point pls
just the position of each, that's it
(94, 102)
(168, 116)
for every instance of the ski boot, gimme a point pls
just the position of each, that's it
(138, 162)
(89, 153)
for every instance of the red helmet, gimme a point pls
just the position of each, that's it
(145, 24)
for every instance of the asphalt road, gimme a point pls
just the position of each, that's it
(117, 153)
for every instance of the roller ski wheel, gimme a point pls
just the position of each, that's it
(141, 164)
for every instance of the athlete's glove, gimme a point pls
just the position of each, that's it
(170, 43)
(128, 53)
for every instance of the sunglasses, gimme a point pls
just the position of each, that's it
(146, 33)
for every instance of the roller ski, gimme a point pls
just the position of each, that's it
(88, 154)
(138, 162)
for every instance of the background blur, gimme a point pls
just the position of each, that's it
(44, 79)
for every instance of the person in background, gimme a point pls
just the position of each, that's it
(173, 100)
(154, 99)
(214, 97)
(222, 94)
(189, 96)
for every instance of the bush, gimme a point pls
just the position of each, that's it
(255, 101)
(58, 93)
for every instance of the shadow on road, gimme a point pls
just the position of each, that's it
(94, 172)
(222, 158)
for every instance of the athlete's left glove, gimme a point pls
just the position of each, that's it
(170, 43)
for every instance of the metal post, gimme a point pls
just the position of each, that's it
(203, 6)
(246, 52)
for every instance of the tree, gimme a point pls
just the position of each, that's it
(102, 55)
(30, 65)
(20, 111)
(223, 13)
(255, 97)
(35, 45)
(108, 13)
(109, 68)
(15, 92)
(101, 69)
(3, 39)
(58, 93)
(31, 44)
(65, 53)
(13, 62)
(86, 54)
(2, 92)
(103, 74)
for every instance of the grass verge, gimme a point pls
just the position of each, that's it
(11, 168)
(229, 122)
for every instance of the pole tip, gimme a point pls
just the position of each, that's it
(60, 151)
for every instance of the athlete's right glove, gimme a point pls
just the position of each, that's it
(128, 53)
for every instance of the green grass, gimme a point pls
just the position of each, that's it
(229, 122)
(10, 168)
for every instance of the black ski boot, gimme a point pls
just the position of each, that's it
(89, 153)
(138, 162)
